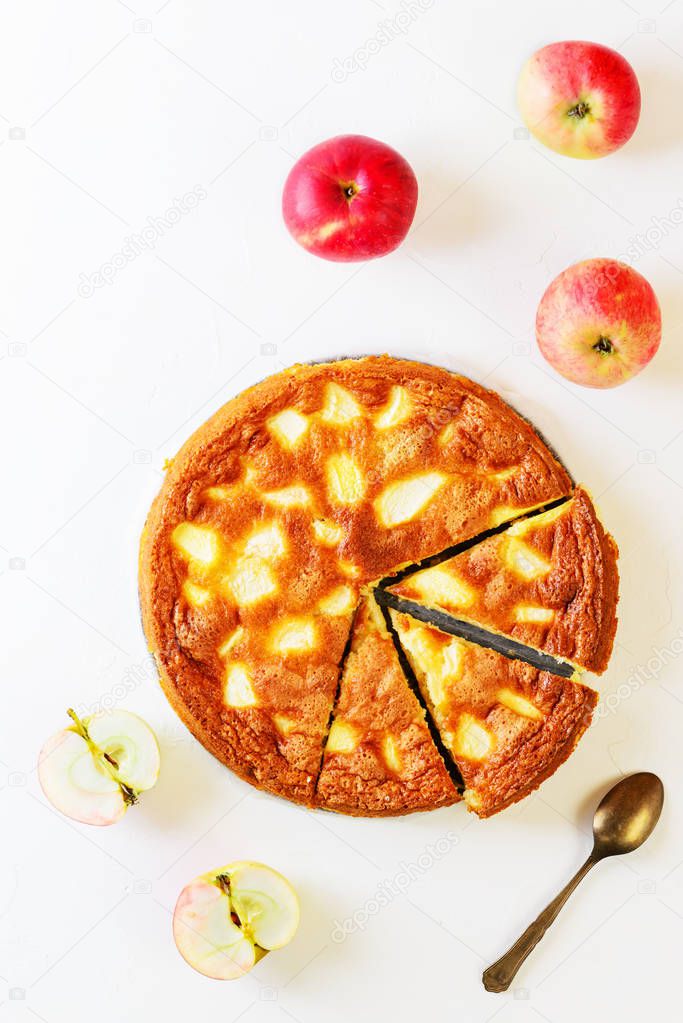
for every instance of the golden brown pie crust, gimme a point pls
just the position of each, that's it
(387, 763)
(525, 750)
(476, 463)
(579, 590)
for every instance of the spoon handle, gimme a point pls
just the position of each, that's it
(500, 975)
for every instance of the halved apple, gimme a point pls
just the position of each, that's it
(95, 769)
(228, 919)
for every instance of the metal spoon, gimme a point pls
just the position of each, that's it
(624, 819)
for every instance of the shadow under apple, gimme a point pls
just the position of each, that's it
(448, 217)
(660, 126)
(191, 784)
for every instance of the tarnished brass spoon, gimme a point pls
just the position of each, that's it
(624, 819)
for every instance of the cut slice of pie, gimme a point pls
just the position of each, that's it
(549, 581)
(507, 725)
(380, 757)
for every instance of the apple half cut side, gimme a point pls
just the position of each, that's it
(226, 920)
(95, 769)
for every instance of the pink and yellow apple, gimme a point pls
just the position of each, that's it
(599, 323)
(96, 768)
(580, 99)
(228, 919)
(350, 198)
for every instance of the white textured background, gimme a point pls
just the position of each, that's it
(111, 113)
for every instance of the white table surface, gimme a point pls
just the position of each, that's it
(112, 112)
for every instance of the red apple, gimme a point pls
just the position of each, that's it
(599, 323)
(350, 198)
(580, 99)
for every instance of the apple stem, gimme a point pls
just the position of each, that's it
(604, 346)
(80, 727)
(350, 190)
(579, 110)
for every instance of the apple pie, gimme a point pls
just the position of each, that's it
(548, 581)
(506, 724)
(379, 753)
(296, 502)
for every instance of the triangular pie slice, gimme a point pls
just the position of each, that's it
(507, 725)
(380, 757)
(549, 581)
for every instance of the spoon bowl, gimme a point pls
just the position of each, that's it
(627, 815)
